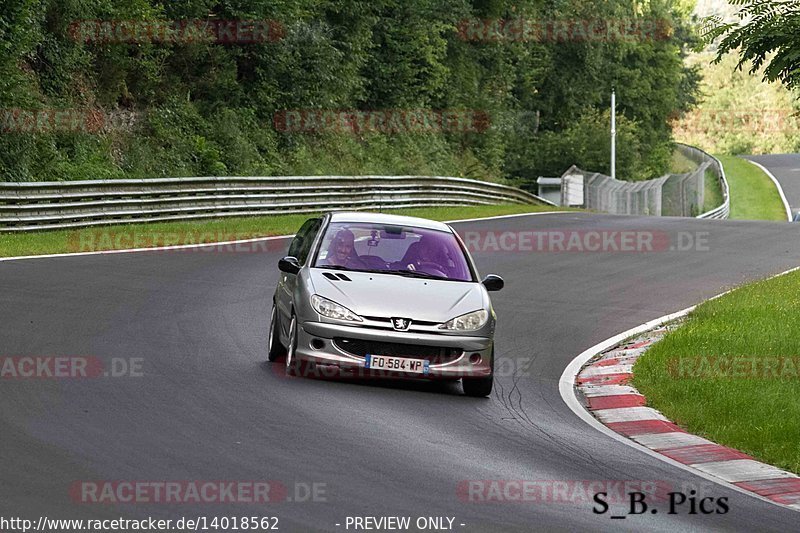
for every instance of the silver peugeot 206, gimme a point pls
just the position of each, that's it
(374, 295)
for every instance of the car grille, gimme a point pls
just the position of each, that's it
(388, 321)
(437, 355)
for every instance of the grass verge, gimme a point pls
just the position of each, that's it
(712, 197)
(753, 195)
(731, 373)
(143, 235)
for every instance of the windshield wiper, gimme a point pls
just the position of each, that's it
(408, 273)
(335, 267)
(400, 272)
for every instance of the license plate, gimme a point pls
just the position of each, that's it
(397, 364)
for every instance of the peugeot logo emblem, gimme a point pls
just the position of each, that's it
(401, 324)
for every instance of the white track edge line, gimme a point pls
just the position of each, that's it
(151, 249)
(514, 215)
(242, 241)
(566, 387)
(778, 185)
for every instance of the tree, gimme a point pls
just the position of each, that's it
(767, 34)
(207, 108)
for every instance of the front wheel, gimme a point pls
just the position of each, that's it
(292, 364)
(276, 349)
(479, 387)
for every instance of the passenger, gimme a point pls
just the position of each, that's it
(341, 250)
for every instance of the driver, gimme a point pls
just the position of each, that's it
(341, 250)
(432, 253)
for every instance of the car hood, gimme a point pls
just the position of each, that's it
(391, 295)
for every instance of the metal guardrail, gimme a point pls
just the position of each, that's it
(32, 206)
(669, 195)
(701, 156)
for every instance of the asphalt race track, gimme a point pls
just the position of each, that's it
(786, 169)
(208, 406)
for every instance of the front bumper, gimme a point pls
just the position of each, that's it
(316, 348)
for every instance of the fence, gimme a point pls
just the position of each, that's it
(608, 195)
(71, 204)
(669, 195)
(715, 167)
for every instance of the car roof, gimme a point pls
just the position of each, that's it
(382, 218)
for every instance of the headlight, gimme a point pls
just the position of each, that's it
(469, 322)
(331, 309)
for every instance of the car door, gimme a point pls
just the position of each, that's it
(300, 248)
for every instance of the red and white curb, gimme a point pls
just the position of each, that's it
(604, 383)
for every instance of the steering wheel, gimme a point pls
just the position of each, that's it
(427, 266)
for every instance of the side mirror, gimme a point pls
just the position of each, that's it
(493, 282)
(289, 264)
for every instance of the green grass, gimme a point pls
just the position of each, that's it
(757, 413)
(753, 195)
(680, 164)
(222, 229)
(712, 196)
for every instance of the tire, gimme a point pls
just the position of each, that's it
(479, 387)
(276, 349)
(292, 364)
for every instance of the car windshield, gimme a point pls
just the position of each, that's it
(393, 249)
